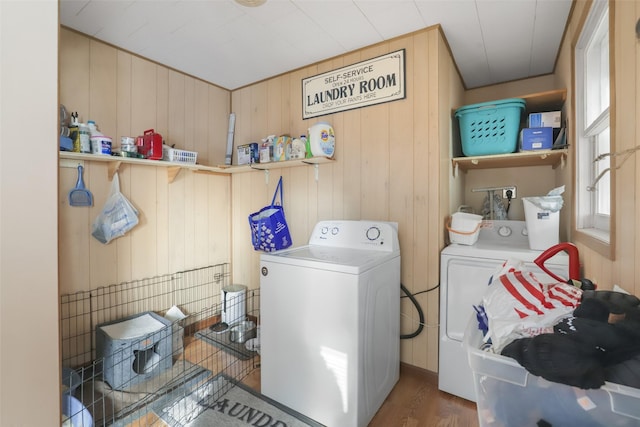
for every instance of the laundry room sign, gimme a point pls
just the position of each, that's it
(375, 81)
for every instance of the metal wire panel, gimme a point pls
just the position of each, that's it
(151, 372)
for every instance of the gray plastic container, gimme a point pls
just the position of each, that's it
(134, 349)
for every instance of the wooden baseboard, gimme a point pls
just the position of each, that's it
(200, 324)
(191, 329)
(420, 372)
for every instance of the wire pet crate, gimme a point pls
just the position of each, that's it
(121, 356)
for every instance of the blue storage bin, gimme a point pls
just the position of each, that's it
(490, 127)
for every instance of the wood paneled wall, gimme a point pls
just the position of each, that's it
(392, 164)
(183, 224)
(624, 270)
(531, 180)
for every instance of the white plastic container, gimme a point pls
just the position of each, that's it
(543, 226)
(128, 144)
(233, 300)
(322, 140)
(176, 155)
(464, 228)
(101, 144)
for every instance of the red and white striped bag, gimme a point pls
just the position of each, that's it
(518, 305)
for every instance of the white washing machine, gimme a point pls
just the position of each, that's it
(330, 322)
(464, 275)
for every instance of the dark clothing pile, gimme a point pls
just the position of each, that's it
(601, 342)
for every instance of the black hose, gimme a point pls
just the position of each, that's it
(420, 314)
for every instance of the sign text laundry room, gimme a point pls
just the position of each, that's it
(377, 80)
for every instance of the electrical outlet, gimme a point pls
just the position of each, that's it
(513, 192)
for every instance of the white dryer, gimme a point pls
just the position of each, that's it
(464, 275)
(330, 322)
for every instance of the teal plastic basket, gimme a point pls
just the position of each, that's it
(490, 127)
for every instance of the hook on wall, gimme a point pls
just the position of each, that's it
(638, 29)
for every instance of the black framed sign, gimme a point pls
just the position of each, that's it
(374, 81)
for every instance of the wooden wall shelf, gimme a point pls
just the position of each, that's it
(551, 100)
(173, 168)
(553, 158)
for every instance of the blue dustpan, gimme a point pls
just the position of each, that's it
(80, 196)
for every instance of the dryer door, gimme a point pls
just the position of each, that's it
(463, 282)
(466, 281)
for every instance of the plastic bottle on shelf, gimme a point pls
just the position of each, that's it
(93, 128)
(73, 134)
(94, 133)
(85, 138)
(307, 148)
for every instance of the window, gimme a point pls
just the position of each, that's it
(593, 145)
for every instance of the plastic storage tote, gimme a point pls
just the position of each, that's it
(508, 395)
(490, 127)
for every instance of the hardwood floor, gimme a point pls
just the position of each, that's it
(415, 401)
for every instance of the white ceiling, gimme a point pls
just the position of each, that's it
(221, 42)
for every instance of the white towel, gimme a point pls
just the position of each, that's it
(133, 328)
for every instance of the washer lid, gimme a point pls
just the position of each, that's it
(345, 260)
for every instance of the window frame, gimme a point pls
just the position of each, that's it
(591, 229)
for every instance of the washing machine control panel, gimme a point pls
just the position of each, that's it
(504, 232)
(369, 235)
(373, 233)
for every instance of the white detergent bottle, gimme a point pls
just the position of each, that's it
(93, 128)
(322, 140)
(96, 142)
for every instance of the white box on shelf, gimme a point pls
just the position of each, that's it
(549, 119)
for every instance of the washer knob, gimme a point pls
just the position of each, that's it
(504, 231)
(324, 230)
(335, 230)
(373, 233)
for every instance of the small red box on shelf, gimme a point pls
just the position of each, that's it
(150, 145)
